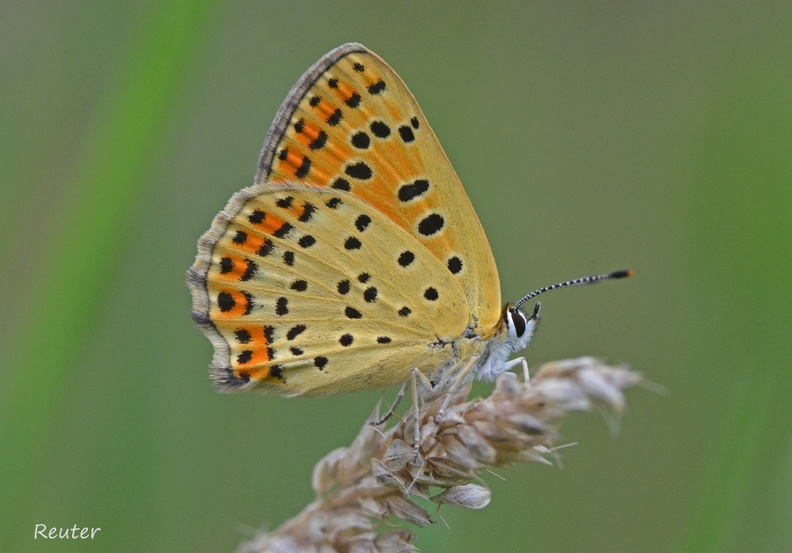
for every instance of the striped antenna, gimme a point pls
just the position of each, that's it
(575, 282)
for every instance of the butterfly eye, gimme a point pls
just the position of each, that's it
(518, 321)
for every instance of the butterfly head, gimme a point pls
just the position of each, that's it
(519, 327)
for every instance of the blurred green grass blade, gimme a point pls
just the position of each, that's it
(733, 462)
(781, 531)
(741, 232)
(120, 150)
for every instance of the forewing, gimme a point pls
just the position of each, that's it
(351, 124)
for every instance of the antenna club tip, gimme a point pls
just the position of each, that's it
(621, 274)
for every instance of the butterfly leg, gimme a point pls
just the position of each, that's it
(416, 375)
(459, 381)
(403, 391)
(519, 361)
(425, 383)
(394, 405)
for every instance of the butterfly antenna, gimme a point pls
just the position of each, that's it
(575, 282)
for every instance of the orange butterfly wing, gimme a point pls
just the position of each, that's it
(351, 124)
(349, 152)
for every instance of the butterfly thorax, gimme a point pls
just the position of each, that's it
(511, 334)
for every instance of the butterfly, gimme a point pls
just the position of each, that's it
(356, 255)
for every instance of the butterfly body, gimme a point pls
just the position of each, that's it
(356, 256)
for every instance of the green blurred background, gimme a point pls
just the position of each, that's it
(590, 137)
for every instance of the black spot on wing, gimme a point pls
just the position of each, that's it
(406, 134)
(283, 230)
(431, 224)
(335, 118)
(352, 243)
(248, 302)
(377, 87)
(304, 168)
(362, 222)
(380, 129)
(285, 203)
(299, 285)
(361, 140)
(306, 241)
(454, 265)
(341, 184)
(413, 190)
(257, 217)
(308, 210)
(352, 313)
(250, 270)
(318, 142)
(431, 294)
(406, 258)
(359, 171)
(353, 101)
(225, 302)
(295, 331)
(265, 248)
(226, 265)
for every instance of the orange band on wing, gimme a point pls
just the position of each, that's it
(255, 351)
(232, 304)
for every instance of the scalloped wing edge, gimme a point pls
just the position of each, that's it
(221, 374)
